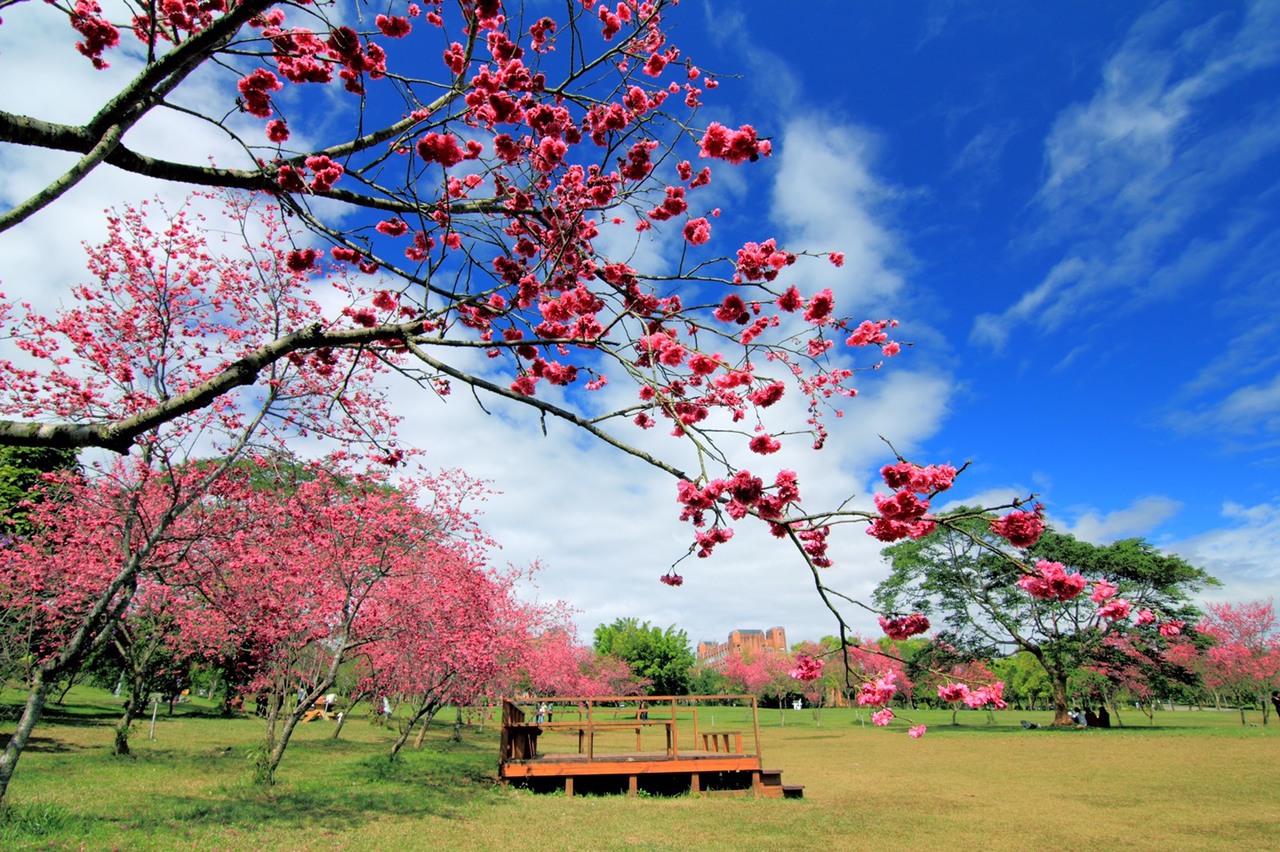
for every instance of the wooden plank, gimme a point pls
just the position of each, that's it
(547, 767)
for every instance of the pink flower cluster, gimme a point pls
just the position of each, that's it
(904, 515)
(918, 731)
(882, 717)
(671, 578)
(734, 146)
(1051, 582)
(991, 695)
(740, 494)
(878, 692)
(904, 627)
(807, 668)
(1021, 529)
(922, 480)
(1112, 608)
(1103, 591)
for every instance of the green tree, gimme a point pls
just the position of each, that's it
(966, 578)
(662, 656)
(1026, 684)
(704, 680)
(20, 472)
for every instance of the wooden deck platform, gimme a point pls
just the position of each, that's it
(590, 745)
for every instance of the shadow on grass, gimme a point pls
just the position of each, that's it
(49, 745)
(440, 783)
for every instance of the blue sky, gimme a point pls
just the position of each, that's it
(1071, 207)
(1079, 203)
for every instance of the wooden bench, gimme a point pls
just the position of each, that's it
(713, 740)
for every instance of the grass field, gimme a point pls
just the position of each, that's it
(1194, 780)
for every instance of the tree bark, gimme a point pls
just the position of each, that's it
(37, 694)
(425, 714)
(1058, 688)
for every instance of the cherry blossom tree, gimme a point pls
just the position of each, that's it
(145, 641)
(1244, 659)
(486, 192)
(343, 562)
(764, 674)
(558, 665)
(459, 634)
(995, 602)
(166, 311)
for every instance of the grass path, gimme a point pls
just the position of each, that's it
(1197, 780)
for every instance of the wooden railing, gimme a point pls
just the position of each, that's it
(525, 719)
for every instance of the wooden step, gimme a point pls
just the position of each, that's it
(771, 777)
(793, 791)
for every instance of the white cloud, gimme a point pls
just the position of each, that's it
(1242, 554)
(1130, 173)
(828, 198)
(1134, 521)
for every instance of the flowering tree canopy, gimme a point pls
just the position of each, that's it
(1244, 658)
(477, 223)
(1065, 602)
(487, 199)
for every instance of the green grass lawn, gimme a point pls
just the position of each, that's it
(1194, 780)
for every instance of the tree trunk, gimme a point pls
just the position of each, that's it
(1061, 712)
(457, 726)
(71, 681)
(428, 710)
(346, 714)
(277, 743)
(36, 697)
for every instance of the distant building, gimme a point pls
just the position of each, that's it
(714, 654)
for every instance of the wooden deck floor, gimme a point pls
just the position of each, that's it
(715, 762)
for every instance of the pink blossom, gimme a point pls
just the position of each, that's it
(807, 668)
(1172, 628)
(1021, 529)
(764, 444)
(882, 717)
(697, 231)
(735, 146)
(440, 148)
(1102, 590)
(671, 578)
(1051, 582)
(953, 692)
(878, 692)
(277, 131)
(255, 89)
(836, 258)
(1114, 610)
(393, 26)
(918, 731)
(904, 627)
(820, 307)
(922, 480)
(992, 695)
(1146, 616)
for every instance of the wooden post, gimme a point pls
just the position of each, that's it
(632, 786)
(695, 784)
(568, 786)
(755, 721)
